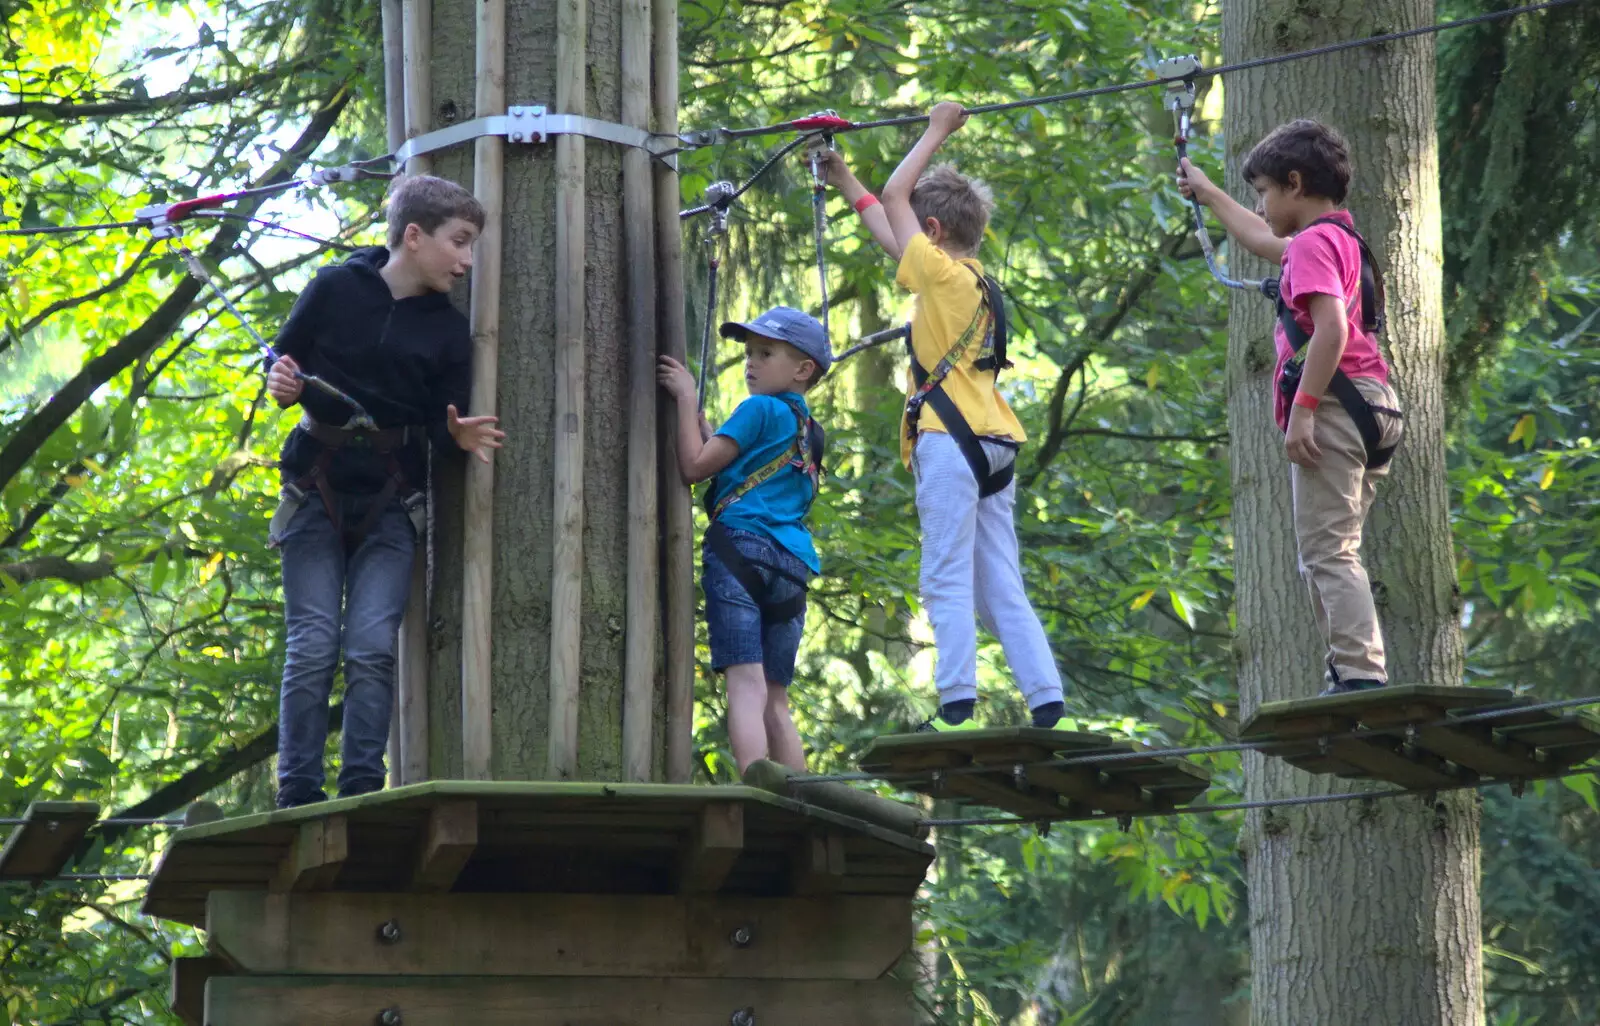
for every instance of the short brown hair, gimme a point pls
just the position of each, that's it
(1316, 151)
(962, 205)
(429, 202)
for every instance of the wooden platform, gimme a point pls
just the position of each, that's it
(1419, 739)
(546, 905)
(43, 845)
(543, 838)
(1127, 787)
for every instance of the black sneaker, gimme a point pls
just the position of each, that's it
(1347, 687)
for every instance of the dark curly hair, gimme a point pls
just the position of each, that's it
(1316, 151)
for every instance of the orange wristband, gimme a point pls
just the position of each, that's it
(1310, 402)
(866, 202)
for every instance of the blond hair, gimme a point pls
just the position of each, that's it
(428, 202)
(961, 205)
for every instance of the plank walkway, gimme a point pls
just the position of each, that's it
(1420, 739)
(1012, 781)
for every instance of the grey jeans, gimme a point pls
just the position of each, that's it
(334, 599)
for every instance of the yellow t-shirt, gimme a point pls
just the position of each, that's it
(948, 296)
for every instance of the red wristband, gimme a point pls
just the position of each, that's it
(866, 202)
(1307, 400)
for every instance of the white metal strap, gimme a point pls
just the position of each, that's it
(533, 125)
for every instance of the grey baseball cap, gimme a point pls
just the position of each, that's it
(786, 324)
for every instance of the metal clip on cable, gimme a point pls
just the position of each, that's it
(718, 200)
(1179, 74)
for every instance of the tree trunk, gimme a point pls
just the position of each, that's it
(524, 488)
(1360, 912)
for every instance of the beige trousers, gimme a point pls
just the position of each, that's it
(1331, 502)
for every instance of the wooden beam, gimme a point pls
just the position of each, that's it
(417, 41)
(642, 618)
(43, 845)
(677, 516)
(317, 855)
(779, 779)
(717, 843)
(558, 1001)
(451, 838)
(840, 937)
(188, 994)
(477, 536)
(818, 864)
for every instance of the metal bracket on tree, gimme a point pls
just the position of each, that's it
(535, 124)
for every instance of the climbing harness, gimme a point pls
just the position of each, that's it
(719, 198)
(1373, 317)
(1179, 75)
(803, 456)
(816, 146)
(384, 442)
(989, 323)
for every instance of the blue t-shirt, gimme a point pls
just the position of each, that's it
(764, 426)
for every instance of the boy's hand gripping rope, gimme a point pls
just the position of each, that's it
(719, 198)
(1179, 74)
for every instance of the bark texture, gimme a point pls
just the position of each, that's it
(1360, 912)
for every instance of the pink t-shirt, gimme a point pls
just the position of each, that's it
(1324, 259)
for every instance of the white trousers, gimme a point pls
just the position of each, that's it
(970, 566)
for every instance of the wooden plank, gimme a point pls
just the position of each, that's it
(1383, 762)
(1001, 792)
(451, 838)
(907, 751)
(1473, 745)
(717, 843)
(316, 857)
(43, 845)
(1358, 704)
(559, 1001)
(818, 865)
(558, 935)
(188, 993)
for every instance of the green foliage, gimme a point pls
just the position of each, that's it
(139, 632)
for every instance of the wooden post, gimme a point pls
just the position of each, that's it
(639, 673)
(417, 35)
(677, 593)
(566, 596)
(488, 183)
(408, 728)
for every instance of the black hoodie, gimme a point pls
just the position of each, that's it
(404, 360)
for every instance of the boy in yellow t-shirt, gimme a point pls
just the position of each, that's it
(958, 437)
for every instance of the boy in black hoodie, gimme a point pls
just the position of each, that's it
(380, 329)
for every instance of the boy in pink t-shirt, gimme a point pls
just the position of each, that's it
(1340, 417)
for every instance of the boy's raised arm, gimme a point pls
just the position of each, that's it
(1244, 225)
(872, 215)
(943, 121)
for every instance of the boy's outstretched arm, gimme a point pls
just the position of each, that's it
(699, 456)
(1245, 225)
(943, 121)
(842, 178)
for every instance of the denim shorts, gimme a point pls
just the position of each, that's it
(733, 616)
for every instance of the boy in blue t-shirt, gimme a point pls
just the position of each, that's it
(758, 556)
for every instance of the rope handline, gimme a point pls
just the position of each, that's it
(719, 200)
(359, 419)
(779, 154)
(877, 338)
(842, 125)
(1112, 755)
(816, 146)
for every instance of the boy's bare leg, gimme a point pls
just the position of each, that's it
(783, 740)
(747, 702)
